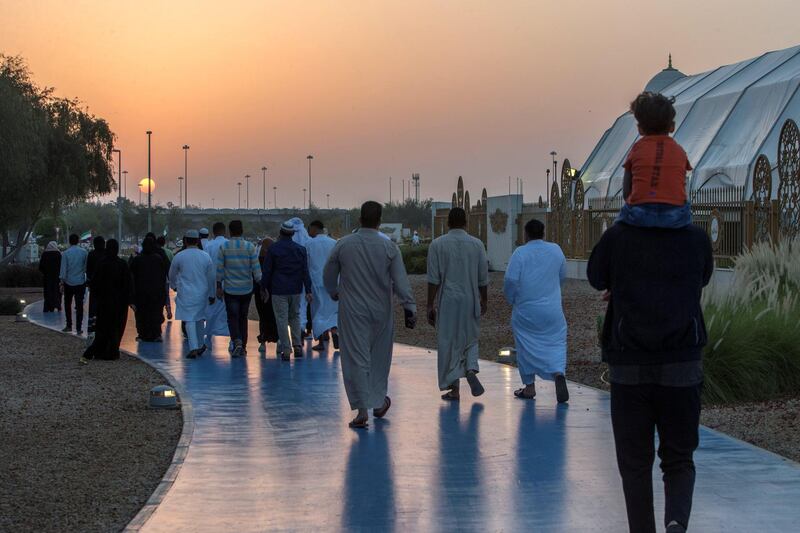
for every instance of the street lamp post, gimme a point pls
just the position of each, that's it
(310, 158)
(119, 195)
(239, 184)
(247, 191)
(275, 197)
(547, 185)
(125, 187)
(186, 175)
(180, 191)
(304, 198)
(264, 185)
(149, 187)
(329, 200)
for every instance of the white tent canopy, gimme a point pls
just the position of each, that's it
(725, 118)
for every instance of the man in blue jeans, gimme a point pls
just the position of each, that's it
(652, 339)
(285, 271)
(73, 282)
(237, 269)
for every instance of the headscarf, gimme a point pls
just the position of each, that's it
(112, 249)
(52, 247)
(266, 242)
(149, 245)
(300, 236)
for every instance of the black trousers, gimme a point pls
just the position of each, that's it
(77, 292)
(637, 411)
(237, 306)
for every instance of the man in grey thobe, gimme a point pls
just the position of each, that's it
(458, 274)
(361, 273)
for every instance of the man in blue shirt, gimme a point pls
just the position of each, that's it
(284, 275)
(73, 282)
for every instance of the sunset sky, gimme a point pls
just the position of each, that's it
(371, 88)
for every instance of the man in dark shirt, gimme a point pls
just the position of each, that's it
(284, 274)
(652, 339)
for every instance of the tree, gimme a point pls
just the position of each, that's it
(53, 153)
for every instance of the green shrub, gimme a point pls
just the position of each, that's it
(753, 350)
(415, 258)
(20, 276)
(9, 306)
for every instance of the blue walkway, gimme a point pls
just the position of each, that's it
(271, 451)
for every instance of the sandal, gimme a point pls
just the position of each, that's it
(359, 424)
(520, 393)
(449, 396)
(380, 413)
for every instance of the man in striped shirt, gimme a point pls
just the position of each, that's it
(237, 268)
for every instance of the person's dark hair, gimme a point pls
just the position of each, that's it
(534, 229)
(99, 243)
(218, 228)
(112, 248)
(74, 239)
(190, 241)
(150, 235)
(317, 224)
(235, 228)
(371, 213)
(654, 112)
(457, 219)
(161, 241)
(149, 245)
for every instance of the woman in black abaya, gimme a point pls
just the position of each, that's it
(149, 270)
(50, 267)
(113, 286)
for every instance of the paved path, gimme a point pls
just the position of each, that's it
(271, 451)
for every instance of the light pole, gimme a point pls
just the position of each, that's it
(125, 174)
(275, 197)
(212, 203)
(310, 158)
(180, 191)
(239, 184)
(247, 191)
(264, 185)
(186, 175)
(304, 198)
(547, 185)
(119, 196)
(553, 154)
(390, 190)
(149, 187)
(329, 200)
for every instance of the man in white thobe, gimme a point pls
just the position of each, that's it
(203, 238)
(533, 287)
(324, 311)
(302, 238)
(362, 272)
(458, 275)
(192, 276)
(217, 318)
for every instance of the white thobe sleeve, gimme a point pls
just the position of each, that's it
(211, 277)
(434, 275)
(511, 279)
(330, 275)
(174, 268)
(400, 282)
(483, 269)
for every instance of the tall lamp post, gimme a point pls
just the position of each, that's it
(329, 200)
(275, 197)
(310, 158)
(239, 184)
(125, 187)
(119, 195)
(180, 191)
(149, 187)
(547, 185)
(304, 198)
(247, 191)
(186, 175)
(264, 185)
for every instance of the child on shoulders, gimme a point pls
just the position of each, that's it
(654, 186)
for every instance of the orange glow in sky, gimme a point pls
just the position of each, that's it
(371, 88)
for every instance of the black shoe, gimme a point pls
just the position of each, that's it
(335, 338)
(67, 329)
(298, 351)
(285, 356)
(675, 527)
(79, 333)
(192, 354)
(562, 394)
(319, 347)
(474, 383)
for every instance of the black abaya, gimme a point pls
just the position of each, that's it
(50, 267)
(149, 272)
(113, 286)
(267, 327)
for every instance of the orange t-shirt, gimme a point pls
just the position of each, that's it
(658, 166)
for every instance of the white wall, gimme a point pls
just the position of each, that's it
(501, 245)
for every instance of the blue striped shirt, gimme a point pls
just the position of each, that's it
(237, 266)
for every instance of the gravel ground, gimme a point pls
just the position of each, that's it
(80, 449)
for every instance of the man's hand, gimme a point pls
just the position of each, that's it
(432, 316)
(211, 300)
(309, 297)
(411, 319)
(335, 297)
(484, 306)
(133, 307)
(220, 294)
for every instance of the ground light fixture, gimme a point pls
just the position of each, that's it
(507, 355)
(22, 316)
(163, 397)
